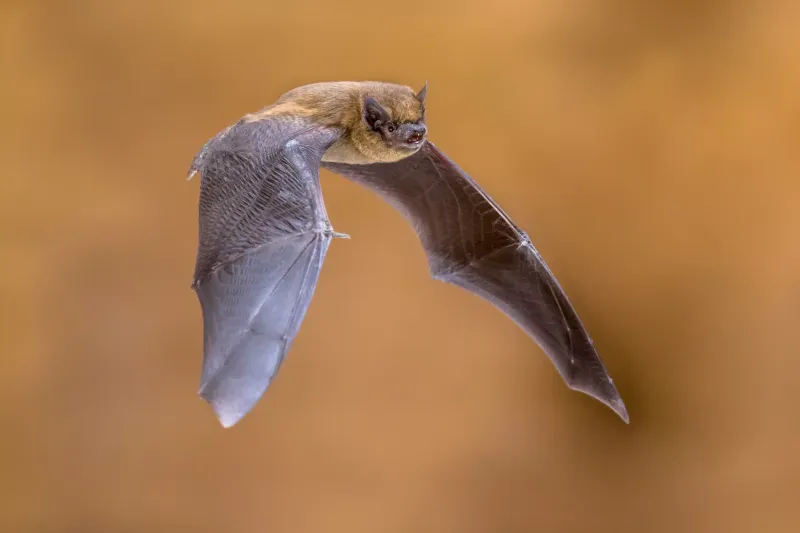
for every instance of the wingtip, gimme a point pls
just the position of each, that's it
(612, 399)
(609, 397)
(618, 406)
(227, 422)
(226, 416)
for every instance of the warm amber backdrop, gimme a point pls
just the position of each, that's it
(651, 150)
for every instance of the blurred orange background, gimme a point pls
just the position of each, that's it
(650, 149)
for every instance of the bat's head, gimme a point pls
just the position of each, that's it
(393, 123)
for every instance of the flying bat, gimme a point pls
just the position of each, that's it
(264, 233)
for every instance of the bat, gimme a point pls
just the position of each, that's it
(264, 233)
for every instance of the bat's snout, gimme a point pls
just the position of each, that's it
(416, 133)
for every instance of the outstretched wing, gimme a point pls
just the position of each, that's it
(471, 243)
(263, 237)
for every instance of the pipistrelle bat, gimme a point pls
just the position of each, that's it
(264, 233)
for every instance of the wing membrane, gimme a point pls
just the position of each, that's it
(471, 243)
(252, 309)
(264, 234)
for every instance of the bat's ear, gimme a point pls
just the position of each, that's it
(374, 113)
(422, 94)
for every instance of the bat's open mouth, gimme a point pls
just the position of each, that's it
(415, 139)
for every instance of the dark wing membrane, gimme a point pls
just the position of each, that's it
(471, 243)
(264, 233)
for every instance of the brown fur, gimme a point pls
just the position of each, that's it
(340, 105)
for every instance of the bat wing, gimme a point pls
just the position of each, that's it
(264, 233)
(471, 243)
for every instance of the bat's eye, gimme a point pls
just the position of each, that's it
(390, 128)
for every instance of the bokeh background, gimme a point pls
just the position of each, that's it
(651, 150)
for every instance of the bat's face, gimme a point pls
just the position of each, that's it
(403, 135)
(401, 128)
